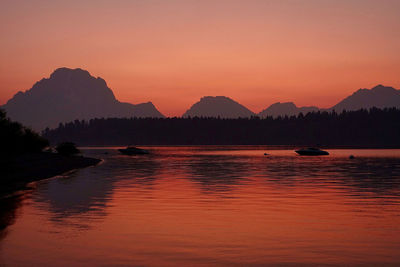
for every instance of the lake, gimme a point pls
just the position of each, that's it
(218, 206)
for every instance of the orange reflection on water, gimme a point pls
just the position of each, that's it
(190, 208)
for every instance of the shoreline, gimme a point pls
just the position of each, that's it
(18, 172)
(245, 146)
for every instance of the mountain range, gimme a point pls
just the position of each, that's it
(379, 96)
(70, 94)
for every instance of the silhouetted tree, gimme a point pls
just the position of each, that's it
(16, 139)
(67, 149)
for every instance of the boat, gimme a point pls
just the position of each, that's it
(131, 150)
(311, 151)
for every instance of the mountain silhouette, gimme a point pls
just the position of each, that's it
(379, 96)
(287, 108)
(70, 94)
(218, 106)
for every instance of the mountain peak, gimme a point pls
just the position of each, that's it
(65, 72)
(285, 108)
(378, 86)
(284, 104)
(379, 96)
(216, 98)
(70, 94)
(218, 106)
(381, 87)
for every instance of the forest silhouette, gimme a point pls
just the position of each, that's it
(363, 128)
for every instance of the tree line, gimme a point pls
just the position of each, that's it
(361, 128)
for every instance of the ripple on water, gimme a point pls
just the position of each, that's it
(211, 206)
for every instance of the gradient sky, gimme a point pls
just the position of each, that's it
(311, 52)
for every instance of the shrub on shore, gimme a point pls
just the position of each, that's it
(67, 149)
(16, 139)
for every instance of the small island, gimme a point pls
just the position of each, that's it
(23, 159)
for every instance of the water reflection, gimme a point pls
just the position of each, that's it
(83, 195)
(212, 206)
(141, 170)
(8, 213)
(217, 174)
(377, 175)
(74, 195)
(362, 175)
(89, 190)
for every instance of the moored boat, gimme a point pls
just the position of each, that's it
(311, 151)
(131, 150)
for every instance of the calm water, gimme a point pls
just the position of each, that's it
(205, 206)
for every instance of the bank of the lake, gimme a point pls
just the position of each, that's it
(16, 172)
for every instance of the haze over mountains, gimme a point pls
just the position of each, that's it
(70, 94)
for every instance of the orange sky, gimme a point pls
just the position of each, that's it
(311, 52)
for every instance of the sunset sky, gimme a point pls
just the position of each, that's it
(311, 52)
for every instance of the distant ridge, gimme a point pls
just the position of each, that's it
(287, 108)
(70, 94)
(379, 96)
(73, 94)
(218, 106)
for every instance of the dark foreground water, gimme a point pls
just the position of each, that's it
(185, 206)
